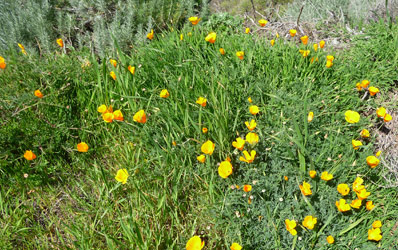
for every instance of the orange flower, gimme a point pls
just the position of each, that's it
(365, 84)
(309, 222)
(22, 49)
(107, 117)
(239, 143)
(312, 174)
(102, 108)
(363, 194)
(326, 176)
(113, 75)
(194, 20)
(252, 125)
(343, 189)
(329, 64)
(290, 226)
(322, 44)
(310, 116)
(247, 188)
(315, 47)
(373, 91)
(140, 116)
(381, 112)
(201, 101)
(201, 158)
(131, 69)
(118, 115)
(330, 239)
(38, 94)
(365, 133)
(29, 155)
(330, 58)
(342, 206)
(222, 51)
(369, 205)
(82, 147)
(208, 147)
(372, 161)
(113, 62)
(60, 42)
(164, 93)
(352, 116)
(292, 32)
(356, 144)
(235, 246)
(262, 22)
(247, 30)
(2, 63)
(254, 110)
(387, 118)
(272, 42)
(204, 130)
(240, 54)
(252, 138)
(150, 35)
(376, 224)
(249, 158)
(305, 189)
(225, 169)
(357, 185)
(356, 203)
(304, 39)
(305, 53)
(249, 100)
(374, 234)
(285, 178)
(211, 37)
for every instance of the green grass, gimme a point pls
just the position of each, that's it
(169, 195)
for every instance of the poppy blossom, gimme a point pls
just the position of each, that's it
(164, 93)
(131, 69)
(247, 30)
(29, 155)
(272, 42)
(356, 203)
(201, 158)
(140, 116)
(374, 234)
(372, 161)
(225, 169)
(373, 91)
(2, 63)
(330, 239)
(305, 189)
(113, 62)
(304, 40)
(309, 222)
(365, 133)
(249, 158)
(122, 175)
(252, 125)
(312, 174)
(356, 144)
(150, 35)
(387, 118)
(247, 188)
(381, 112)
(201, 101)
(369, 205)
(208, 147)
(38, 94)
(310, 116)
(235, 246)
(211, 37)
(343, 189)
(194, 20)
(239, 143)
(240, 54)
(118, 115)
(290, 226)
(60, 42)
(254, 110)
(222, 51)
(113, 75)
(252, 138)
(292, 32)
(322, 44)
(262, 22)
(326, 176)
(82, 147)
(352, 116)
(342, 206)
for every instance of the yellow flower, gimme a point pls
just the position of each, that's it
(312, 174)
(363, 194)
(290, 226)
(122, 175)
(222, 51)
(189, 34)
(235, 246)
(277, 35)
(181, 37)
(365, 133)
(249, 100)
(150, 35)
(2, 63)
(252, 125)
(239, 143)
(330, 58)
(387, 118)
(118, 115)
(329, 64)
(365, 83)
(378, 153)
(358, 86)
(304, 39)
(305, 189)
(113, 62)
(211, 37)
(310, 116)
(164, 93)
(356, 203)
(201, 101)
(249, 158)
(22, 49)
(326, 176)
(102, 108)
(356, 144)
(60, 42)
(315, 47)
(292, 32)
(342, 206)
(343, 189)
(247, 30)
(330, 239)
(286, 178)
(131, 69)
(373, 91)
(374, 234)
(225, 169)
(254, 110)
(174, 143)
(240, 54)
(272, 42)
(38, 94)
(247, 188)
(201, 158)
(322, 44)
(252, 138)
(29, 155)
(195, 243)
(113, 75)
(372, 161)
(352, 116)
(208, 147)
(107, 117)
(194, 20)
(381, 112)
(305, 53)
(357, 185)
(369, 205)
(262, 22)
(82, 147)
(376, 224)
(309, 222)
(140, 116)
(204, 130)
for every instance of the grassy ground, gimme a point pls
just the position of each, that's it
(71, 200)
